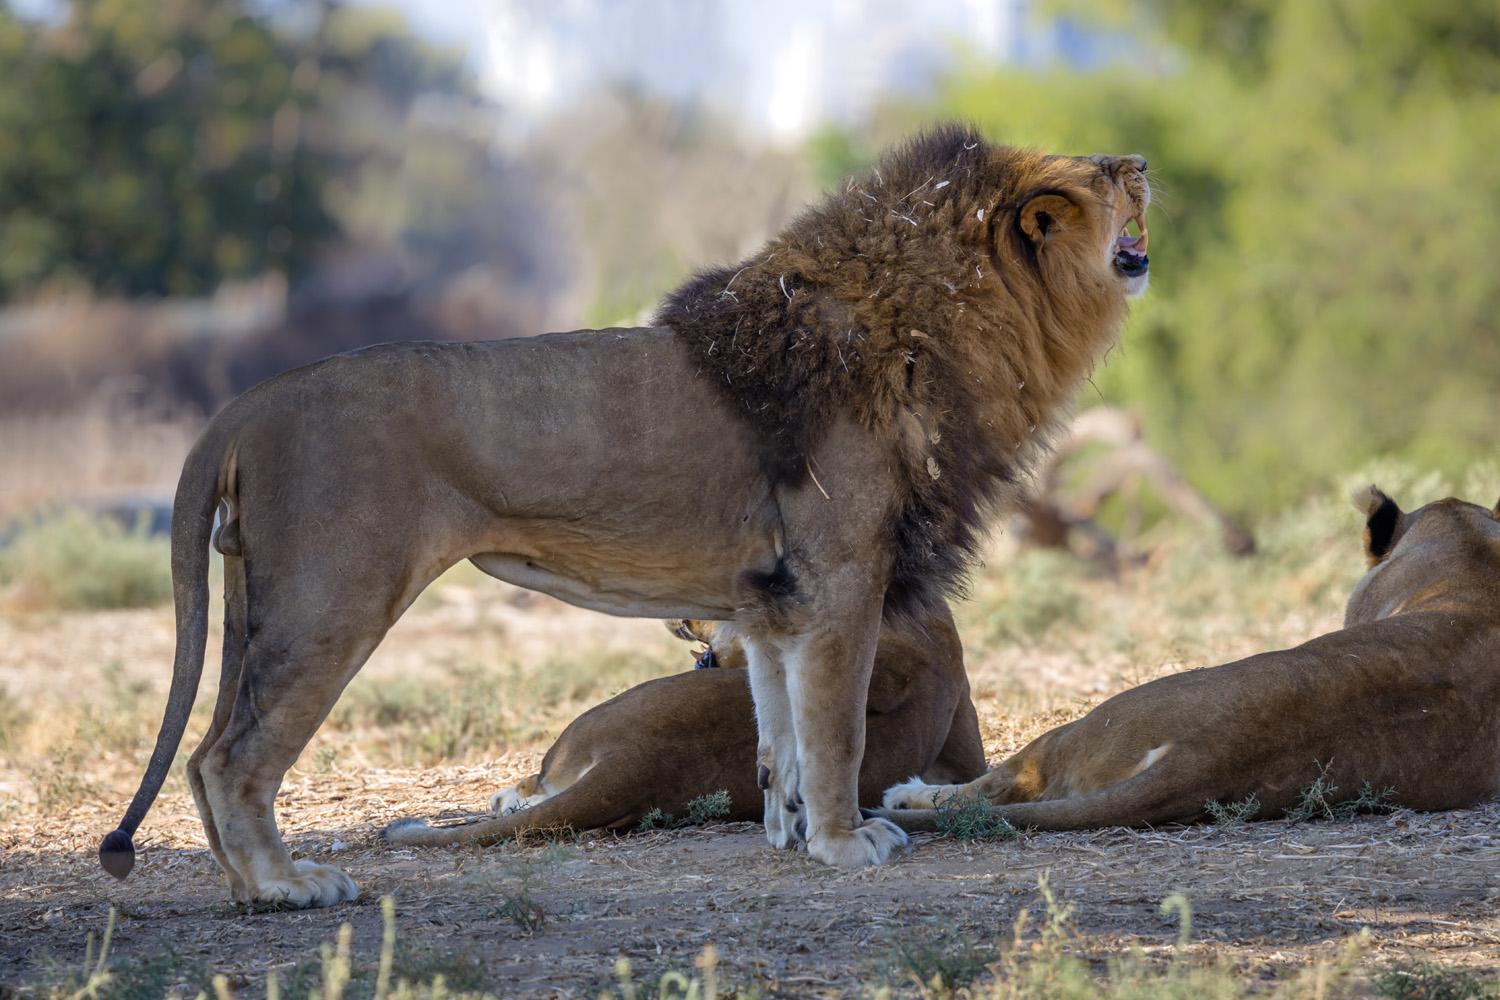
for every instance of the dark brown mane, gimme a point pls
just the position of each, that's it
(908, 295)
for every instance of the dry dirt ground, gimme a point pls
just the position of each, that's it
(1265, 895)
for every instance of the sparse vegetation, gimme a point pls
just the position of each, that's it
(937, 957)
(700, 810)
(71, 559)
(1419, 979)
(971, 817)
(481, 709)
(520, 905)
(1232, 813)
(1320, 800)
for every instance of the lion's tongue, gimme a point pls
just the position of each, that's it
(1134, 245)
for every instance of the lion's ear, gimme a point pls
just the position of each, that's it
(1384, 522)
(1044, 216)
(1496, 512)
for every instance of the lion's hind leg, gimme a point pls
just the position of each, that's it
(229, 681)
(288, 682)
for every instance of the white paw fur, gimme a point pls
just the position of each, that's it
(873, 842)
(914, 793)
(509, 800)
(313, 885)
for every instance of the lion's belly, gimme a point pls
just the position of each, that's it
(618, 586)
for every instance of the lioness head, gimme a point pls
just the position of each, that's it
(718, 650)
(1430, 556)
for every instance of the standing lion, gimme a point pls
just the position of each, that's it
(806, 444)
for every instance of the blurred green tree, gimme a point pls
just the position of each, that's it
(150, 148)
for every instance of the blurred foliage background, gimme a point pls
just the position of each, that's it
(1325, 287)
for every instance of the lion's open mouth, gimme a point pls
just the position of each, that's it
(1130, 251)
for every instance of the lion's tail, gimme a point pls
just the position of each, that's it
(206, 476)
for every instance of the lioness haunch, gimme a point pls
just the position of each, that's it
(1406, 696)
(666, 742)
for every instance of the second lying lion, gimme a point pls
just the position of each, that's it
(666, 742)
(1406, 696)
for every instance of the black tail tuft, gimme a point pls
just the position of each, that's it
(117, 854)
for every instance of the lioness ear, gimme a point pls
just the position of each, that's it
(1046, 215)
(1384, 522)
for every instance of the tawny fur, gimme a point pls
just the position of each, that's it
(603, 466)
(913, 300)
(1406, 696)
(666, 742)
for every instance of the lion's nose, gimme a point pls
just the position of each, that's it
(1103, 160)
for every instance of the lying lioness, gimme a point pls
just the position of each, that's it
(1406, 696)
(668, 741)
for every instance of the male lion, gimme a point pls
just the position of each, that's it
(666, 742)
(830, 423)
(1405, 696)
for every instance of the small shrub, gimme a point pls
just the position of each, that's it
(971, 817)
(940, 959)
(1415, 979)
(709, 807)
(71, 559)
(520, 905)
(461, 970)
(1320, 801)
(700, 810)
(1232, 813)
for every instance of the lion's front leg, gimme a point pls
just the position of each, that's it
(828, 676)
(776, 756)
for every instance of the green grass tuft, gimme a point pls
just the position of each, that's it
(700, 810)
(971, 817)
(1232, 813)
(1417, 979)
(1320, 801)
(938, 959)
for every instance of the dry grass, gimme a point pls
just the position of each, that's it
(106, 453)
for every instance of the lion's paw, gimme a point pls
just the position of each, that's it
(873, 842)
(313, 885)
(914, 793)
(786, 821)
(512, 799)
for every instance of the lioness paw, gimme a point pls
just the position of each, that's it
(313, 885)
(513, 799)
(873, 842)
(914, 793)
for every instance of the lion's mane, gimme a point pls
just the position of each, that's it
(911, 293)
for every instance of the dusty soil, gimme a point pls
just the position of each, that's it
(1265, 895)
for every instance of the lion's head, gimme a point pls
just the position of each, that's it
(950, 298)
